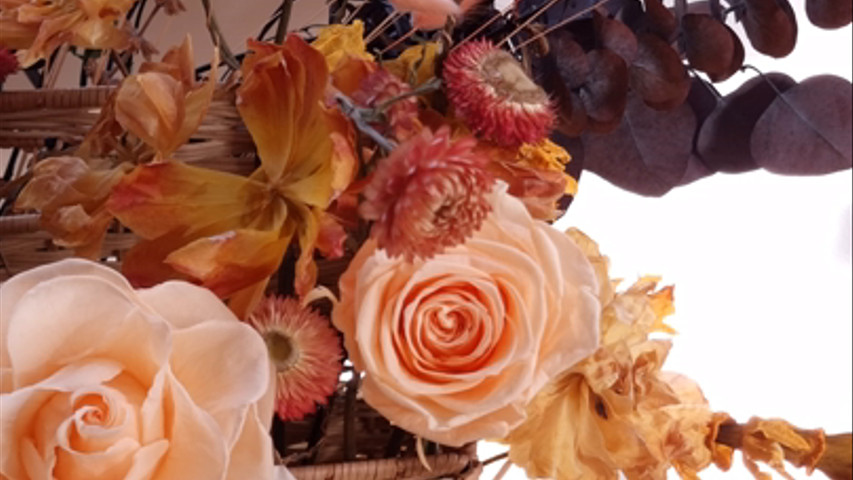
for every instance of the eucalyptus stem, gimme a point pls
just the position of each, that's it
(427, 87)
(357, 115)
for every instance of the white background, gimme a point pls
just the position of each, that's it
(762, 268)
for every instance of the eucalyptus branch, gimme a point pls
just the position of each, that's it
(359, 116)
(217, 37)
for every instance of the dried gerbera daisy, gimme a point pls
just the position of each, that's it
(305, 351)
(491, 92)
(427, 195)
(402, 115)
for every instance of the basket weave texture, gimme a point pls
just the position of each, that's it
(346, 440)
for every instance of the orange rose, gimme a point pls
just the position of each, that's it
(453, 348)
(100, 381)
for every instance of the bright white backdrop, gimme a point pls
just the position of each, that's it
(762, 268)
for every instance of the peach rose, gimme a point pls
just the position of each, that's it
(99, 381)
(453, 348)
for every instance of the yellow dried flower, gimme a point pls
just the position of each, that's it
(338, 42)
(416, 65)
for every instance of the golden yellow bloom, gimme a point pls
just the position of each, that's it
(616, 411)
(338, 42)
(38, 27)
(416, 65)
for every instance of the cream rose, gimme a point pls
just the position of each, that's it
(100, 381)
(453, 348)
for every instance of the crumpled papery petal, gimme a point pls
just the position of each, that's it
(71, 197)
(616, 411)
(339, 42)
(163, 105)
(774, 441)
(38, 28)
(416, 65)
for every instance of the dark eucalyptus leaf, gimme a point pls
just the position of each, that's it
(606, 90)
(711, 46)
(572, 63)
(771, 26)
(724, 138)
(575, 121)
(658, 75)
(703, 100)
(829, 13)
(659, 20)
(649, 152)
(808, 130)
(616, 36)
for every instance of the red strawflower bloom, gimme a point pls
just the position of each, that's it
(427, 195)
(8, 64)
(491, 92)
(305, 350)
(381, 86)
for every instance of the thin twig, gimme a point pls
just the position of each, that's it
(561, 23)
(119, 63)
(349, 18)
(283, 20)
(149, 19)
(55, 66)
(482, 27)
(389, 20)
(217, 37)
(400, 40)
(527, 22)
(496, 458)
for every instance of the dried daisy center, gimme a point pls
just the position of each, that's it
(509, 80)
(282, 349)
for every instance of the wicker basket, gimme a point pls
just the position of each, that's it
(346, 440)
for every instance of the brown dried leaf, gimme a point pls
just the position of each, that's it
(659, 19)
(711, 46)
(648, 153)
(658, 74)
(771, 26)
(616, 36)
(606, 90)
(574, 122)
(829, 13)
(807, 130)
(723, 142)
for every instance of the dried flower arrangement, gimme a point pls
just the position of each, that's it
(347, 228)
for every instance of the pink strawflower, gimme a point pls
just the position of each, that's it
(305, 350)
(8, 64)
(427, 195)
(491, 92)
(381, 86)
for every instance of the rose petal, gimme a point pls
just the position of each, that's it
(223, 366)
(252, 455)
(184, 305)
(13, 289)
(73, 309)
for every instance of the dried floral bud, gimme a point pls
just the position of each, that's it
(402, 115)
(8, 64)
(491, 92)
(428, 195)
(305, 351)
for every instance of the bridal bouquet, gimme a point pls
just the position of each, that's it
(390, 240)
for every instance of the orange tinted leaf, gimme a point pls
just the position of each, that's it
(229, 262)
(159, 198)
